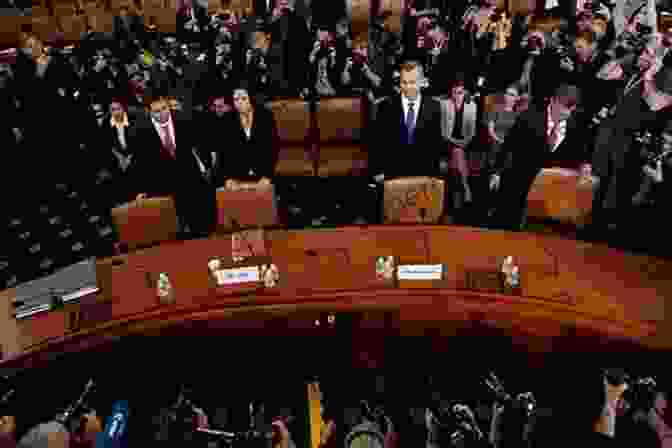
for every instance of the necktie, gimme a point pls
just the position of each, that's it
(168, 142)
(410, 120)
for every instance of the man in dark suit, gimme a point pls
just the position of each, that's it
(544, 132)
(406, 138)
(408, 129)
(170, 165)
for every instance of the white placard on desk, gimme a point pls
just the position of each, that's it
(232, 276)
(420, 272)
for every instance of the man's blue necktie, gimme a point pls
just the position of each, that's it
(410, 122)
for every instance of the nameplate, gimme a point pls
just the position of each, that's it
(420, 272)
(236, 276)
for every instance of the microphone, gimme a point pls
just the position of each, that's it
(77, 407)
(239, 230)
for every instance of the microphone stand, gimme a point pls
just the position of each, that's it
(240, 231)
(77, 407)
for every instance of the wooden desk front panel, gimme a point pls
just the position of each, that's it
(563, 281)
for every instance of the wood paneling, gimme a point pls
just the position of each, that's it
(564, 283)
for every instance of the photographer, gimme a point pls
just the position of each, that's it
(578, 403)
(530, 66)
(638, 424)
(291, 35)
(631, 14)
(655, 164)
(358, 74)
(645, 94)
(263, 64)
(323, 62)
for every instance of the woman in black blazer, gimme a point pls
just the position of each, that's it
(252, 136)
(117, 167)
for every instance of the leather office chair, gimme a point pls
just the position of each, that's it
(559, 194)
(341, 123)
(144, 222)
(413, 200)
(250, 206)
(292, 118)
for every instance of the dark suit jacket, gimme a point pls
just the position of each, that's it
(258, 154)
(524, 153)
(389, 155)
(181, 177)
(117, 185)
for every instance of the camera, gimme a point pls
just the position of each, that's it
(535, 43)
(358, 59)
(644, 29)
(641, 394)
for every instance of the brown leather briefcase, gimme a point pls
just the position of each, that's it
(413, 200)
(250, 206)
(146, 222)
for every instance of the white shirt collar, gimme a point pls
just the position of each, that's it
(405, 101)
(158, 125)
(562, 129)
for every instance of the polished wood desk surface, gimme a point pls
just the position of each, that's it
(565, 284)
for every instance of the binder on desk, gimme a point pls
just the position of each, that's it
(145, 222)
(413, 200)
(250, 205)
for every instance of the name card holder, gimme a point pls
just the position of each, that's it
(231, 277)
(414, 276)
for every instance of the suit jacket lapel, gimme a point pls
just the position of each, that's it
(570, 133)
(419, 121)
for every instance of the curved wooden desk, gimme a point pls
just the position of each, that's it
(568, 287)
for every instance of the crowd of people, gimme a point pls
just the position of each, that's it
(599, 407)
(589, 88)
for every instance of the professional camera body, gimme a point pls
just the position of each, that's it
(641, 395)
